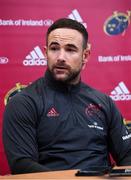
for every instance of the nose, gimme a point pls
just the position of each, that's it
(61, 55)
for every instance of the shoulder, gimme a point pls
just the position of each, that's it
(29, 98)
(93, 92)
(35, 87)
(33, 91)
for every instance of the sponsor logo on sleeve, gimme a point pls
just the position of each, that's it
(126, 136)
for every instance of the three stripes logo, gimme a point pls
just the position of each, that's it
(52, 112)
(76, 16)
(121, 93)
(35, 58)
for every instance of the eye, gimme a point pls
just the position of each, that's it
(70, 49)
(54, 48)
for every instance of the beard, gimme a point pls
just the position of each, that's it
(64, 73)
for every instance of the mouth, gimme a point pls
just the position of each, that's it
(61, 68)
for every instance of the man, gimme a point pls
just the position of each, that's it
(58, 122)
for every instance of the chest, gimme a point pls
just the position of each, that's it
(70, 118)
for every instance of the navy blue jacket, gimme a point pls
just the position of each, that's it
(54, 126)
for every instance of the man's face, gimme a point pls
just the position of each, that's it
(65, 54)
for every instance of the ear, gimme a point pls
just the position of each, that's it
(45, 51)
(86, 54)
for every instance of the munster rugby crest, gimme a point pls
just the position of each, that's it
(117, 23)
(18, 88)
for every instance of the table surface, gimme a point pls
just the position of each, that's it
(66, 174)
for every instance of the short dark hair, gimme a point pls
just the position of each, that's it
(71, 24)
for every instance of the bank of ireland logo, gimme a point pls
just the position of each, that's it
(117, 23)
(121, 93)
(35, 58)
(75, 15)
(4, 60)
(18, 88)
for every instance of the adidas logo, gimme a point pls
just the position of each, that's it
(76, 16)
(52, 113)
(121, 93)
(35, 58)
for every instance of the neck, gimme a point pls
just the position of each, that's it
(72, 81)
(61, 86)
(75, 80)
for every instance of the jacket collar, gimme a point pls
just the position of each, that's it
(60, 86)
